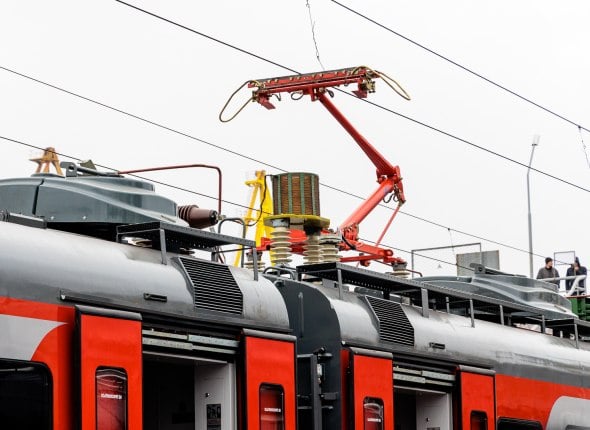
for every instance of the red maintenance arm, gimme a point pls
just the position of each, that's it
(316, 85)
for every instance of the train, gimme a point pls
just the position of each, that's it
(116, 314)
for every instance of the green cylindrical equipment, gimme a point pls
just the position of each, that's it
(296, 193)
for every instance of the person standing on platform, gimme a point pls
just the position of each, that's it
(548, 272)
(576, 270)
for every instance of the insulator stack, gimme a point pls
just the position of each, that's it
(312, 251)
(329, 246)
(249, 262)
(401, 273)
(280, 246)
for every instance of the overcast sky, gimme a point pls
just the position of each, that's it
(116, 55)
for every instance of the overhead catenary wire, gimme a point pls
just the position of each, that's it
(464, 68)
(421, 123)
(194, 138)
(156, 124)
(165, 184)
(197, 139)
(428, 257)
(474, 145)
(313, 36)
(229, 45)
(61, 154)
(20, 142)
(515, 248)
(584, 146)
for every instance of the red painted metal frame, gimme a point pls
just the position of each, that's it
(110, 342)
(388, 176)
(269, 361)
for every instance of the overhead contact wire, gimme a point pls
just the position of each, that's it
(61, 154)
(239, 155)
(438, 130)
(265, 163)
(165, 184)
(464, 68)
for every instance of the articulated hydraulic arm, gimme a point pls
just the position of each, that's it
(316, 85)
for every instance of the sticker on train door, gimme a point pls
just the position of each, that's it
(214, 416)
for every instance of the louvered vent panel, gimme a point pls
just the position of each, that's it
(214, 286)
(394, 325)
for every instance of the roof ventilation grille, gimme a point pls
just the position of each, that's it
(394, 325)
(214, 287)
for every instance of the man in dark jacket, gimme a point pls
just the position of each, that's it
(548, 271)
(575, 270)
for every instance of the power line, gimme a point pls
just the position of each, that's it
(584, 146)
(270, 165)
(438, 130)
(315, 42)
(156, 124)
(165, 184)
(472, 144)
(62, 154)
(464, 68)
(137, 117)
(428, 257)
(229, 45)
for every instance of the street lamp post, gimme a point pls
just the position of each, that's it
(528, 192)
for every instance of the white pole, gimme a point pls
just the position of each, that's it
(528, 191)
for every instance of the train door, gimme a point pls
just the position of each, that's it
(109, 369)
(215, 400)
(371, 391)
(423, 397)
(269, 381)
(477, 410)
(188, 393)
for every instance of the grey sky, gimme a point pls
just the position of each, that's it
(114, 54)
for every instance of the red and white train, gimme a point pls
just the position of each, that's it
(116, 315)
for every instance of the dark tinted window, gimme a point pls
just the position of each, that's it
(479, 420)
(516, 424)
(272, 411)
(111, 399)
(373, 413)
(25, 396)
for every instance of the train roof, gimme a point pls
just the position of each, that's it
(87, 201)
(443, 323)
(41, 264)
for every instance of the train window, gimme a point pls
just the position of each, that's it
(25, 395)
(111, 399)
(479, 420)
(517, 424)
(373, 413)
(272, 410)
